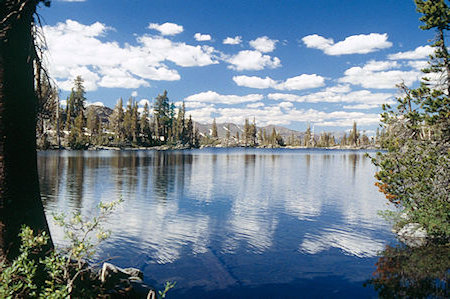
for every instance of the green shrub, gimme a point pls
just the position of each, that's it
(414, 173)
(57, 273)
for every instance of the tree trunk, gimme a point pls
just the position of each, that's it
(20, 202)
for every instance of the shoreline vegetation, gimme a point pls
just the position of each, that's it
(414, 172)
(162, 126)
(180, 147)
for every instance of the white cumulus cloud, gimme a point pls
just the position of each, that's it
(252, 61)
(255, 105)
(263, 44)
(304, 81)
(120, 81)
(166, 28)
(77, 49)
(181, 54)
(379, 75)
(374, 65)
(202, 37)
(233, 40)
(317, 42)
(286, 105)
(421, 52)
(255, 82)
(355, 44)
(338, 94)
(418, 64)
(214, 97)
(361, 106)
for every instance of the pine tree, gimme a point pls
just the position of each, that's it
(172, 123)
(326, 140)
(214, 129)
(77, 139)
(253, 133)
(436, 15)
(196, 138)
(162, 115)
(144, 126)
(116, 120)
(78, 96)
(181, 124)
(414, 171)
(155, 126)
(68, 123)
(354, 135)
(127, 120)
(247, 132)
(99, 138)
(134, 123)
(190, 132)
(332, 140)
(344, 140)
(273, 137)
(76, 100)
(276, 139)
(260, 136)
(364, 139)
(308, 137)
(92, 122)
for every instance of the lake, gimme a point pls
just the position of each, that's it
(234, 223)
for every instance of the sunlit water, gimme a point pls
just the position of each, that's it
(230, 222)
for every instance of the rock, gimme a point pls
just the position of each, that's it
(413, 235)
(112, 275)
(125, 283)
(133, 272)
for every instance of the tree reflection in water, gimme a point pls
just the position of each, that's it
(412, 272)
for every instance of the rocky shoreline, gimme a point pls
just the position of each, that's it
(183, 147)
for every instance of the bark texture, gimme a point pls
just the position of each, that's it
(20, 202)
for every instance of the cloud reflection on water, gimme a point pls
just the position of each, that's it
(180, 204)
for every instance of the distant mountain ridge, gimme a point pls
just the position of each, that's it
(205, 130)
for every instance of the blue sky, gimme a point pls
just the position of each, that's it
(287, 63)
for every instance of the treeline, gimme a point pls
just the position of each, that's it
(78, 127)
(252, 136)
(165, 127)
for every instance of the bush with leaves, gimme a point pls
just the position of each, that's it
(57, 273)
(414, 173)
(65, 273)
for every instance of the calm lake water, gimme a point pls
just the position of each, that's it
(249, 223)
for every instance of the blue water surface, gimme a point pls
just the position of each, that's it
(231, 223)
